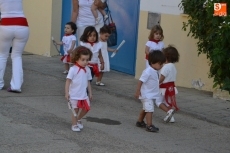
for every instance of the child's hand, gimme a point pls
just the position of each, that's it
(67, 96)
(90, 97)
(137, 94)
(115, 50)
(102, 66)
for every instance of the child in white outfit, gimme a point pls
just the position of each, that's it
(155, 41)
(77, 84)
(89, 39)
(98, 5)
(148, 90)
(69, 44)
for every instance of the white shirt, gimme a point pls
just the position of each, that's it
(155, 46)
(94, 49)
(169, 72)
(85, 15)
(150, 87)
(11, 8)
(79, 83)
(67, 43)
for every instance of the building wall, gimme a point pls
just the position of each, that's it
(44, 18)
(190, 67)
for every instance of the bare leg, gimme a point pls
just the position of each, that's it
(67, 66)
(94, 11)
(74, 119)
(164, 107)
(82, 114)
(141, 116)
(149, 118)
(102, 12)
(100, 76)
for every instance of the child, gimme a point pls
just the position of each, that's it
(77, 82)
(89, 39)
(167, 86)
(104, 35)
(148, 89)
(98, 5)
(69, 44)
(155, 41)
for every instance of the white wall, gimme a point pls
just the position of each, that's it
(161, 6)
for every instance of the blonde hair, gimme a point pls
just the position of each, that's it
(156, 28)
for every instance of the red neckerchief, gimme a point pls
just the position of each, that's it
(80, 67)
(68, 34)
(91, 43)
(153, 40)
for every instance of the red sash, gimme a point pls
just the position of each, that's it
(83, 105)
(95, 69)
(170, 94)
(16, 21)
(68, 58)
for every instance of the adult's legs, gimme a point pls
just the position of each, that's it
(6, 36)
(99, 26)
(19, 42)
(80, 30)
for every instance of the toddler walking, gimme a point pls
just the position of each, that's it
(89, 39)
(98, 5)
(148, 90)
(69, 44)
(77, 84)
(155, 41)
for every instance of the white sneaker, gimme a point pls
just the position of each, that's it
(172, 120)
(100, 84)
(65, 72)
(80, 125)
(75, 128)
(169, 115)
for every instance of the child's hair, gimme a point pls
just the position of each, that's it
(73, 27)
(156, 56)
(77, 52)
(88, 30)
(105, 29)
(171, 54)
(156, 28)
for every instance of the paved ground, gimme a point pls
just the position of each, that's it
(38, 120)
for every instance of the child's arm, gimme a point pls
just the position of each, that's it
(89, 90)
(58, 43)
(75, 10)
(72, 47)
(138, 91)
(101, 60)
(146, 50)
(67, 84)
(162, 78)
(111, 49)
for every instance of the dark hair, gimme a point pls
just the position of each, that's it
(77, 52)
(73, 27)
(105, 29)
(88, 30)
(156, 28)
(171, 54)
(156, 56)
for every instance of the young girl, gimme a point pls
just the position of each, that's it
(167, 83)
(69, 43)
(148, 90)
(155, 41)
(89, 39)
(104, 35)
(77, 83)
(98, 5)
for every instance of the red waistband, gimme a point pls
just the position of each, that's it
(166, 85)
(17, 21)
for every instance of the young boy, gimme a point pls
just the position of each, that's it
(148, 89)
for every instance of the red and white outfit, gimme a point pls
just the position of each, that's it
(79, 77)
(153, 45)
(95, 48)
(67, 43)
(167, 88)
(13, 31)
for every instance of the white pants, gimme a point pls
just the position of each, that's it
(15, 36)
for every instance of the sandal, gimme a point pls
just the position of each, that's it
(15, 91)
(100, 84)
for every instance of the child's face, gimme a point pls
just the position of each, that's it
(92, 37)
(83, 60)
(68, 29)
(157, 66)
(157, 35)
(104, 36)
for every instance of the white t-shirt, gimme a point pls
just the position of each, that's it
(11, 8)
(169, 72)
(85, 15)
(150, 87)
(155, 46)
(79, 84)
(94, 49)
(67, 43)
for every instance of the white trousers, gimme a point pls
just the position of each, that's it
(15, 36)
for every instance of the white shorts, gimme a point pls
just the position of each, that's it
(74, 102)
(160, 100)
(148, 105)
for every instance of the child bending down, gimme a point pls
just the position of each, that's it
(148, 90)
(77, 84)
(98, 5)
